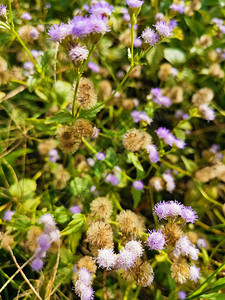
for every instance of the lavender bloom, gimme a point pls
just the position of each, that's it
(106, 258)
(170, 184)
(140, 116)
(35, 53)
(80, 26)
(184, 246)
(78, 54)
(86, 7)
(177, 7)
(173, 72)
(100, 156)
(179, 143)
(26, 16)
(222, 28)
(162, 100)
(84, 291)
(156, 240)
(54, 235)
(75, 209)
(168, 209)
(168, 138)
(92, 66)
(44, 242)
(173, 23)
(8, 215)
(135, 247)
(126, 17)
(48, 221)
(156, 92)
(150, 36)
(28, 65)
(207, 112)
(182, 295)
(194, 273)
(39, 253)
(112, 179)
(126, 259)
(164, 28)
(2, 10)
(217, 21)
(153, 153)
(137, 42)
(97, 25)
(59, 32)
(90, 161)
(134, 3)
(101, 8)
(95, 133)
(37, 264)
(201, 243)
(189, 215)
(34, 33)
(138, 185)
(85, 276)
(53, 155)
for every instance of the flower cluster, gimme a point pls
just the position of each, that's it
(168, 138)
(159, 98)
(83, 284)
(141, 116)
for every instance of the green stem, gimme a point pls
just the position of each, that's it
(175, 167)
(75, 93)
(132, 41)
(137, 293)
(206, 196)
(127, 292)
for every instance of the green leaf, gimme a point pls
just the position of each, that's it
(45, 59)
(24, 188)
(190, 165)
(63, 91)
(91, 113)
(73, 241)
(79, 186)
(64, 276)
(136, 194)
(78, 224)
(175, 56)
(134, 159)
(61, 117)
(195, 26)
(40, 125)
(111, 155)
(213, 296)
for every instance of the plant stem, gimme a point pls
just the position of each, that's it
(104, 284)
(175, 167)
(75, 93)
(132, 40)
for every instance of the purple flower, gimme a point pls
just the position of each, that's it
(85, 276)
(34, 33)
(177, 7)
(173, 23)
(44, 242)
(75, 209)
(134, 3)
(100, 156)
(207, 112)
(53, 155)
(54, 235)
(126, 17)
(150, 36)
(49, 223)
(184, 247)
(78, 53)
(35, 53)
(138, 185)
(112, 179)
(179, 143)
(156, 240)
(97, 25)
(173, 72)
(163, 28)
(106, 258)
(137, 43)
(168, 209)
(90, 161)
(135, 247)
(2, 10)
(28, 65)
(162, 132)
(126, 259)
(85, 292)
(170, 184)
(189, 214)
(58, 32)
(8, 215)
(153, 153)
(26, 16)
(37, 264)
(201, 243)
(222, 28)
(95, 133)
(163, 100)
(140, 116)
(182, 295)
(156, 92)
(101, 8)
(217, 21)
(194, 273)
(92, 66)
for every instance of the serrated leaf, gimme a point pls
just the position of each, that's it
(61, 117)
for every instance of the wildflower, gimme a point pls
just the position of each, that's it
(78, 54)
(177, 8)
(173, 72)
(83, 128)
(138, 185)
(172, 233)
(137, 42)
(40, 28)
(156, 240)
(26, 16)
(153, 153)
(44, 242)
(2, 10)
(88, 263)
(189, 215)
(53, 155)
(217, 21)
(180, 271)
(150, 37)
(28, 65)
(201, 243)
(145, 275)
(135, 140)
(86, 96)
(92, 66)
(194, 273)
(8, 215)
(207, 112)
(135, 247)
(103, 9)
(97, 25)
(69, 141)
(170, 184)
(100, 156)
(140, 116)
(183, 246)
(112, 179)
(35, 53)
(134, 3)
(90, 161)
(34, 33)
(85, 276)
(101, 208)
(84, 291)
(156, 92)
(58, 33)
(37, 264)
(163, 28)
(182, 295)
(156, 183)
(126, 259)
(95, 133)
(202, 96)
(75, 209)
(106, 258)
(163, 100)
(168, 209)
(32, 235)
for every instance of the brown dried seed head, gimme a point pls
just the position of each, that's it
(32, 236)
(101, 208)
(105, 89)
(136, 139)
(69, 142)
(145, 275)
(83, 128)
(203, 96)
(164, 71)
(180, 271)
(45, 146)
(88, 263)
(6, 241)
(172, 233)
(86, 96)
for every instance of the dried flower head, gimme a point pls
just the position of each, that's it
(180, 271)
(202, 96)
(78, 54)
(87, 262)
(3, 65)
(172, 233)
(86, 96)
(101, 208)
(83, 128)
(100, 236)
(136, 139)
(69, 140)
(145, 275)
(61, 177)
(105, 89)
(45, 146)
(32, 236)
(6, 241)
(130, 224)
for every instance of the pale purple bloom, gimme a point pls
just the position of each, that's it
(49, 223)
(75, 209)
(44, 242)
(168, 138)
(194, 273)
(218, 50)
(182, 295)
(106, 258)
(41, 27)
(47, 5)
(93, 188)
(39, 253)
(170, 184)
(177, 7)
(179, 143)
(37, 264)
(163, 28)
(54, 235)
(162, 132)
(98, 25)
(159, 16)
(141, 116)
(157, 184)
(59, 32)
(173, 72)
(134, 3)
(112, 179)
(8, 215)
(75, 269)
(120, 74)
(150, 36)
(101, 8)
(90, 161)
(100, 156)
(86, 7)
(207, 112)
(80, 26)
(222, 28)
(135, 247)
(217, 21)
(156, 92)
(135, 26)
(28, 65)
(173, 23)
(184, 247)
(53, 155)
(126, 259)
(92, 66)
(95, 133)
(35, 53)
(126, 17)
(34, 33)
(168, 209)
(201, 243)
(26, 16)
(156, 240)
(138, 185)
(137, 42)
(85, 276)
(153, 153)
(163, 100)
(84, 291)
(189, 214)
(78, 53)
(2, 10)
